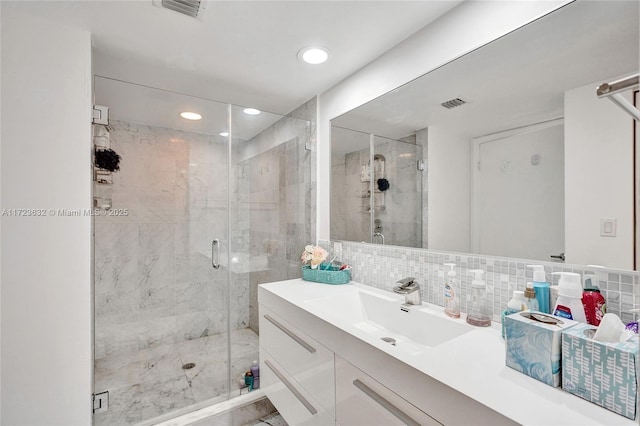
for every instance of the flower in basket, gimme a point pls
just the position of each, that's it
(313, 254)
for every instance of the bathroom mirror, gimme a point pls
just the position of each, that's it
(519, 156)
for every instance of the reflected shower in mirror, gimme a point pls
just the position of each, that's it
(380, 203)
(521, 158)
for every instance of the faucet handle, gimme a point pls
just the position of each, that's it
(407, 282)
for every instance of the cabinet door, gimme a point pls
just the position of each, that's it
(308, 362)
(360, 400)
(294, 403)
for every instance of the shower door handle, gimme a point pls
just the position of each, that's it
(215, 253)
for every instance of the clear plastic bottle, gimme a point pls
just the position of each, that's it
(530, 296)
(451, 302)
(479, 314)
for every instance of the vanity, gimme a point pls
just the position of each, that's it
(354, 355)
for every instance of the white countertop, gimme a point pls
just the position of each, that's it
(467, 363)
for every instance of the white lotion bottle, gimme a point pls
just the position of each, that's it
(451, 301)
(569, 304)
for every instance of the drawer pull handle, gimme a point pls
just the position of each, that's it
(289, 333)
(293, 390)
(400, 415)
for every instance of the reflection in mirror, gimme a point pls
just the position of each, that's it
(376, 189)
(522, 158)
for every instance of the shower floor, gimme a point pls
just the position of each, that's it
(152, 381)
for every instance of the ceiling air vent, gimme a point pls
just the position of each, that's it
(453, 103)
(191, 8)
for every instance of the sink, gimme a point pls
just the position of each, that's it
(412, 328)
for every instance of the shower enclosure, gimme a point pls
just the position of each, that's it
(198, 214)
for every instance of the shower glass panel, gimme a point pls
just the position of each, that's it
(350, 185)
(269, 216)
(173, 333)
(397, 192)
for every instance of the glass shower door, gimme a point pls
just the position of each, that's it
(196, 216)
(161, 309)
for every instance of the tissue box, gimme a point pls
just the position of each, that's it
(534, 347)
(603, 373)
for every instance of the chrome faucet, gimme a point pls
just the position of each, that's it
(411, 290)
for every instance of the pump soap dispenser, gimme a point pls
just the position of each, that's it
(451, 302)
(478, 310)
(541, 287)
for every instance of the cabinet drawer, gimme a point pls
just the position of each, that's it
(294, 403)
(308, 362)
(360, 400)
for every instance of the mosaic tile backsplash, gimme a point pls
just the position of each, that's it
(381, 266)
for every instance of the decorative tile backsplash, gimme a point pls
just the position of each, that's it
(381, 266)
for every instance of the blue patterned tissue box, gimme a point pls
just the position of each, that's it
(603, 373)
(534, 347)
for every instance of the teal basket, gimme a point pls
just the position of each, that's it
(326, 276)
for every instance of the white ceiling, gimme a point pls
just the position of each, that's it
(249, 45)
(517, 80)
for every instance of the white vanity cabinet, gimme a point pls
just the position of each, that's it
(347, 374)
(296, 372)
(361, 400)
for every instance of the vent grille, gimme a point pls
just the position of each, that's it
(453, 103)
(186, 7)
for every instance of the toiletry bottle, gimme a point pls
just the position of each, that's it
(592, 301)
(530, 297)
(451, 302)
(255, 371)
(541, 287)
(569, 304)
(633, 325)
(478, 314)
(517, 303)
(248, 379)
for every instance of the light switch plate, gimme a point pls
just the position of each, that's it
(608, 227)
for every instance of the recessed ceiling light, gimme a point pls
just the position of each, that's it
(190, 115)
(251, 111)
(313, 55)
(224, 134)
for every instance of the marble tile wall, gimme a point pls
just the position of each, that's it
(154, 283)
(381, 267)
(278, 188)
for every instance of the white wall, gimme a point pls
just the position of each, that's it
(449, 184)
(598, 179)
(518, 203)
(464, 28)
(46, 275)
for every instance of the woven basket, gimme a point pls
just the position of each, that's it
(326, 276)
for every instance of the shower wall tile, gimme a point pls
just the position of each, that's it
(381, 266)
(173, 188)
(277, 195)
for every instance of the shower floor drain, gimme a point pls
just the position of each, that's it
(189, 366)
